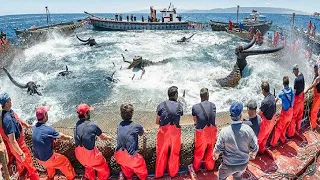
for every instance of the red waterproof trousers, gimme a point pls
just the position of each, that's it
(281, 127)
(315, 108)
(203, 147)
(93, 160)
(131, 164)
(266, 127)
(58, 161)
(27, 163)
(168, 137)
(298, 108)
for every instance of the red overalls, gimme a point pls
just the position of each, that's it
(281, 127)
(266, 127)
(204, 142)
(315, 106)
(92, 160)
(298, 108)
(130, 164)
(27, 163)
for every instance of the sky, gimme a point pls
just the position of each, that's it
(122, 6)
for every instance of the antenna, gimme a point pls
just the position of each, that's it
(48, 15)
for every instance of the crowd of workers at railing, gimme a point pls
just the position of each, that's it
(237, 143)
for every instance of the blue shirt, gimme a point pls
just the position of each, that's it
(10, 124)
(254, 123)
(175, 115)
(201, 117)
(127, 134)
(88, 130)
(268, 106)
(42, 140)
(287, 98)
(235, 142)
(299, 84)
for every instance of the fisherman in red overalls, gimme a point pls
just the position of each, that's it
(204, 116)
(259, 40)
(13, 134)
(126, 153)
(86, 152)
(268, 115)
(230, 26)
(298, 105)
(169, 135)
(316, 97)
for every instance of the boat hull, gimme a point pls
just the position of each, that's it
(221, 26)
(111, 25)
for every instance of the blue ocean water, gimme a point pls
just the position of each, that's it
(194, 65)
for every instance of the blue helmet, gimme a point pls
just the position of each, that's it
(4, 98)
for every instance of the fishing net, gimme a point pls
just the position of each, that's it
(147, 144)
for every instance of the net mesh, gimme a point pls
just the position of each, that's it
(147, 144)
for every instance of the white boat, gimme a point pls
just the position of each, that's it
(170, 21)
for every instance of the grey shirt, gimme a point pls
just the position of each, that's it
(235, 142)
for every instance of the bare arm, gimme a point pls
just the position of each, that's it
(15, 145)
(104, 137)
(24, 124)
(195, 120)
(64, 137)
(158, 120)
(315, 82)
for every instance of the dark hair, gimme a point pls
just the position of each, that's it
(286, 81)
(126, 111)
(239, 49)
(204, 94)
(82, 116)
(172, 91)
(265, 86)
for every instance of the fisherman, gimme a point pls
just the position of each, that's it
(43, 138)
(268, 115)
(184, 39)
(126, 153)
(230, 26)
(237, 143)
(309, 27)
(314, 30)
(285, 117)
(169, 135)
(12, 133)
(120, 17)
(251, 33)
(127, 17)
(240, 27)
(204, 116)
(86, 152)
(276, 39)
(131, 17)
(259, 39)
(142, 18)
(298, 105)
(316, 97)
(254, 119)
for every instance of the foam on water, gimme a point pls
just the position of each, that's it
(193, 65)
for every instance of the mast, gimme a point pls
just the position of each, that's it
(238, 13)
(48, 15)
(293, 15)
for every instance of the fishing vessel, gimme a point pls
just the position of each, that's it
(170, 21)
(255, 20)
(36, 34)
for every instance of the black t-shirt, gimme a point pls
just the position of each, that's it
(299, 84)
(268, 106)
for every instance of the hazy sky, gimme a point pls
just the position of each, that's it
(105, 6)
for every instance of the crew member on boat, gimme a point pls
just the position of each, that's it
(268, 116)
(43, 137)
(169, 135)
(240, 27)
(314, 30)
(204, 116)
(254, 120)
(251, 33)
(13, 134)
(126, 153)
(287, 101)
(230, 26)
(298, 105)
(86, 152)
(309, 27)
(276, 39)
(237, 143)
(316, 97)
(259, 38)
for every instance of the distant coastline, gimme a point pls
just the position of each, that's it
(270, 10)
